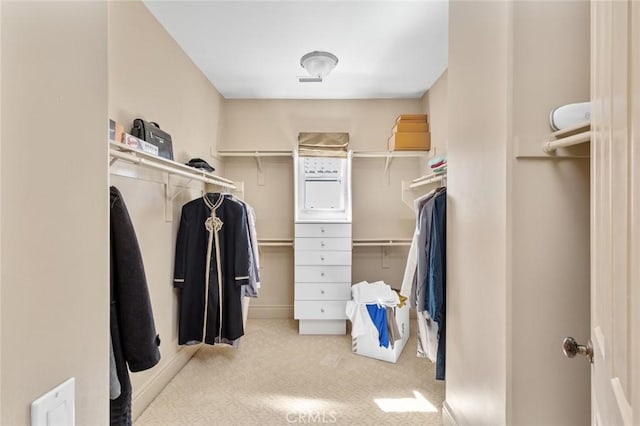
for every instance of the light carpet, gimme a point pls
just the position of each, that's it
(278, 377)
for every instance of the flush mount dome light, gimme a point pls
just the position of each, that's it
(318, 65)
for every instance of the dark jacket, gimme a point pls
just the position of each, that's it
(190, 272)
(133, 332)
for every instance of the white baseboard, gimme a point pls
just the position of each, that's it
(271, 312)
(142, 397)
(448, 419)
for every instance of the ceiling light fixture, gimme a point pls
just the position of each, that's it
(318, 65)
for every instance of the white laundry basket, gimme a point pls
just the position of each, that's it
(369, 346)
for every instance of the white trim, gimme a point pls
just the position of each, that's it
(448, 419)
(143, 397)
(242, 278)
(599, 341)
(623, 405)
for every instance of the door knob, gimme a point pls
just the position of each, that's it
(571, 348)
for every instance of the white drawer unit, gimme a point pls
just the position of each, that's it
(323, 257)
(328, 230)
(322, 276)
(323, 291)
(343, 244)
(320, 309)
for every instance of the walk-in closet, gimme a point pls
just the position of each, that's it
(300, 212)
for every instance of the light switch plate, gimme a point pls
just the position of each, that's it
(56, 407)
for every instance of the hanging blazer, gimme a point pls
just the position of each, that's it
(133, 332)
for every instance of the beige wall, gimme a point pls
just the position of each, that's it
(54, 241)
(518, 246)
(378, 211)
(152, 78)
(434, 103)
(478, 75)
(550, 218)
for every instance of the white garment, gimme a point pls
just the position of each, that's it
(377, 292)
(427, 337)
(408, 279)
(361, 323)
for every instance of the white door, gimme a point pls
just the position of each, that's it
(615, 212)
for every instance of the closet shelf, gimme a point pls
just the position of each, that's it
(119, 151)
(575, 135)
(257, 154)
(428, 179)
(391, 154)
(408, 188)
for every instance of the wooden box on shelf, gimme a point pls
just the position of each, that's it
(410, 141)
(411, 133)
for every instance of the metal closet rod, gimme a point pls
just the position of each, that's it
(381, 242)
(274, 242)
(550, 146)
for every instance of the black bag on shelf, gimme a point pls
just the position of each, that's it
(150, 132)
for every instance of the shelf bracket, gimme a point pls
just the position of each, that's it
(387, 169)
(407, 198)
(168, 203)
(112, 161)
(385, 257)
(260, 170)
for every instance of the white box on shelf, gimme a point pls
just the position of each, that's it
(367, 346)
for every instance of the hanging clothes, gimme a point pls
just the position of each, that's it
(435, 296)
(424, 279)
(253, 286)
(133, 333)
(212, 265)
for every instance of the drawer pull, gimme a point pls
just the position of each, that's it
(321, 243)
(322, 274)
(321, 291)
(322, 230)
(322, 258)
(322, 310)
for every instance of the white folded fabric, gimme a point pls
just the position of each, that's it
(377, 292)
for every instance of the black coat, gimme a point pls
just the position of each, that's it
(133, 332)
(190, 272)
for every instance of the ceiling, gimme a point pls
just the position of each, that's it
(252, 49)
